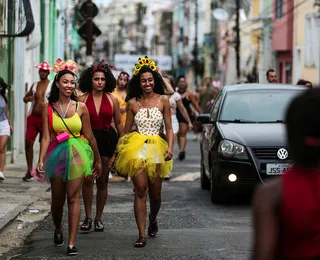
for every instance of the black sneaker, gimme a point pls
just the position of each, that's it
(72, 250)
(58, 239)
(28, 177)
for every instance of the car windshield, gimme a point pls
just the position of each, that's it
(256, 106)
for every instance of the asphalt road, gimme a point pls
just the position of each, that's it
(190, 226)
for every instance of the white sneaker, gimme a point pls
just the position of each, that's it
(2, 176)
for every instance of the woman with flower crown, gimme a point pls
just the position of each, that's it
(142, 154)
(66, 157)
(98, 82)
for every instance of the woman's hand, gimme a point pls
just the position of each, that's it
(97, 170)
(40, 171)
(168, 155)
(190, 125)
(112, 162)
(11, 129)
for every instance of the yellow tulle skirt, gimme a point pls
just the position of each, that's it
(138, 152)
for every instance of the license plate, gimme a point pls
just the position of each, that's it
(277, 168)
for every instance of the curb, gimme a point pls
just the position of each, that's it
(10, 217)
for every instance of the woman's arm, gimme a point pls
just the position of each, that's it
(168, 125)
(168, 88)
(184, 113)
(194, 102)
(266, 214)
(117, 116)
(8, 117)
(130, 116)
(87, 132)
(45, 139)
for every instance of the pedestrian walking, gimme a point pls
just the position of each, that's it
(272, 76)
(143, 154)
(306, 83)
(66, 156)
(121, 93)
(6, 128)
(175, 101)
(188, 99)
(37, 95)
(286, 209)
(98, 82)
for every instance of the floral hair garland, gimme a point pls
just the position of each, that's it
(144, 62)
(70, 65)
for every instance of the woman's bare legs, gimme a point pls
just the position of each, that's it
(58, 197)
(140, 201)
(73, 198)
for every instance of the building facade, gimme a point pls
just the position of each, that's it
(306, 55)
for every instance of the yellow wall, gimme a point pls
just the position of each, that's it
(307, 73)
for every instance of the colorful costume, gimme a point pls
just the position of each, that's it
(122, 104)
(144, 149)
(72, 158)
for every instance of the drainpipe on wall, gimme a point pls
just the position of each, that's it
(46, 30)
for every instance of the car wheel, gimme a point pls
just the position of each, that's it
(218, 194)
(204, 180)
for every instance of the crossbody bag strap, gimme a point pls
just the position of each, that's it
(51, 120)
(63, 121)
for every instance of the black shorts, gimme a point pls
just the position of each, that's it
(181, 118)
(107, 141)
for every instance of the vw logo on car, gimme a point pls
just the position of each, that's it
(282, 154)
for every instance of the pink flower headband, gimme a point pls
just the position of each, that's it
(70, 65)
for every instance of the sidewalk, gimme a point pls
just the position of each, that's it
(17, 195)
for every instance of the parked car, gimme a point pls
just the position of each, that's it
(243, 138)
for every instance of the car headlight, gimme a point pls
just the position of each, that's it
(231, 149)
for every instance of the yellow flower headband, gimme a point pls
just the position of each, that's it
(60, 65)
(144, 62)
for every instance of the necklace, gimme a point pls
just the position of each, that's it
(63, 113)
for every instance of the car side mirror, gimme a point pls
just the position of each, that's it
(204, 118)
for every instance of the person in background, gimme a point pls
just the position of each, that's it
(66, 157)
(272, 76)
(6, 128)
(286, 210)
(98, 82)
(306, 83)
(121, 93)
(188, 99)
(143, 154)
(176, 102)
(38, 95)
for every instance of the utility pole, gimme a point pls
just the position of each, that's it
(237, 45)
(195, 50)
(89, 60)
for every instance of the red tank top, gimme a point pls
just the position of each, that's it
(104, 119)
(300, 214)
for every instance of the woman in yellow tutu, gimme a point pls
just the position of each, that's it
(143, 155)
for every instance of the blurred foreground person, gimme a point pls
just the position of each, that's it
(286, 211)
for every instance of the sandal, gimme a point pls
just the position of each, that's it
(153, 228)
(86, 225)
(141, 242)
(98, 226)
